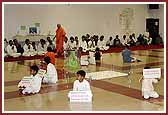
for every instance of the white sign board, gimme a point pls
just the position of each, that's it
(41, 72)
(152, 73)
(80, 96)
(25, 81)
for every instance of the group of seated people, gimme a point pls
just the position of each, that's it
(79, 85)
(132, 40)
(86, 43)
(13, 47)
(49, 77)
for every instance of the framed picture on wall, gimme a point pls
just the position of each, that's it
(32, 30)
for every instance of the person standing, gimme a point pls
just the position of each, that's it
(60, 36)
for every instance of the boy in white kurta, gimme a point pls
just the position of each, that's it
(80, 84)
(28, 49)
(11, 50)
(42, 47)
(147, 87)
(35, 83)
(83, 44)
(51, 75)
(101, 44)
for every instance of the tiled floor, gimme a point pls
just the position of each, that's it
(112, 94)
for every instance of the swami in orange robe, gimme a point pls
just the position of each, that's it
(60, 36)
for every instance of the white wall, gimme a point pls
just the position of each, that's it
(76, 19)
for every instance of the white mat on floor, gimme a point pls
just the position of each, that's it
(104, 75)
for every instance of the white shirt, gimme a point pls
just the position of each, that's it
(52, 73)
(66, 45)
(83, 44)
(110, 42)
(35, 84)
(40, 48)
(91, 44)
(25, 47)
(135, 39)
(72, 45)
(10, 50)
(147, 84)
(146, 34)
(52, 45)
(81, 86)
(47, 43)
(100, 44)
(124, 41)
(149, 40)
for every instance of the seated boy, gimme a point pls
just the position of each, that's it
(147, 87)
(50, 54)
(126, 54)
(34, 84)
(80, 84)
(28, 49)
(51, 75)
(11, 50)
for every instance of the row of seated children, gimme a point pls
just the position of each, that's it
(88, 42)
(14, 49)
(41, 49)
(36, 78)
(80, 84)
(34, 84)
(91, 42)
(130, 41)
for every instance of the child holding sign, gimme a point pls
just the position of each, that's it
(33, 84)
(147, 86)
(81, 89)
(80, 83)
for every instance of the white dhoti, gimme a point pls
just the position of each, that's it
(106, 47)
(15, 54)
(84, 60)
(148, 94)
(41, 52)
(91, 58)
(30, 90)
(48, 79)
(30, 53)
